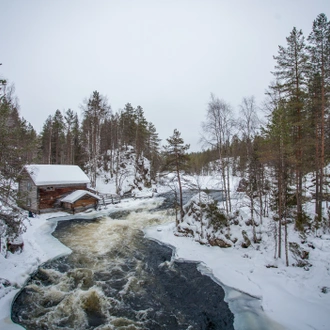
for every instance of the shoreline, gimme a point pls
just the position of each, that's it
(289, 294)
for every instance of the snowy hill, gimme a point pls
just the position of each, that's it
(123, 173)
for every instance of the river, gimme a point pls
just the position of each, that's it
(115, 278)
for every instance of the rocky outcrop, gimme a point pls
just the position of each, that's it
(300, 255)
(219, 242)
(200, 220)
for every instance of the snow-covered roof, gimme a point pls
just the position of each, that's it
(56, 174)
(74, 196)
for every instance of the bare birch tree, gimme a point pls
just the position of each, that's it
(248, 124)
(217, 131)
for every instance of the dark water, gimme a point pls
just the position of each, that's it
(186, 196)
(117, 279)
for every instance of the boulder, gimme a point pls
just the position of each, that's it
(299, 255)
(15, 245)
(247, 241)
(219, 242)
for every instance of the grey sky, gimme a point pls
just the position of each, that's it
(167, 56)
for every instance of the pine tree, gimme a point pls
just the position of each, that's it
(128, 125)
(58, 138)
(17, 142)
(291, 73)
(175, 160)
(278, 155)
(46, 141)
(78, 152)
(141, 131)
(95, 110)
(152, 149)
(69, 118)
(319, 51)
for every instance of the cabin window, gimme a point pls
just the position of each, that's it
(29, 186)
(50, 189)
(28, 202)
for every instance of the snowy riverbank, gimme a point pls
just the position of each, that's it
(39, 246)
(291, 296)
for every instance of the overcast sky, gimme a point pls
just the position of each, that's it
(167, 56)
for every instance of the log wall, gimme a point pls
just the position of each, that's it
(28, 193)
(50, 198)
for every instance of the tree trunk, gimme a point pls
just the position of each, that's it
(180, 193)
(320, 212)
(228, 187)
(280, 212)
(317, 168)
(286, 242)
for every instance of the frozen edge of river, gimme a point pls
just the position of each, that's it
(247, 309)
(281, 291)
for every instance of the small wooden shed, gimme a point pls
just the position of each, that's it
(79, 200)
(41, 187)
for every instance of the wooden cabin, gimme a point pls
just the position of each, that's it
(43, 187)
(79, 200)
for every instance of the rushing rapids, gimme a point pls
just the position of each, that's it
(117, 279)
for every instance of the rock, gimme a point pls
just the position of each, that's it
(247, 241)
(234, 240)
(186, 231)
(325, 289)
(311, 245)
(301, 256)
(15, 245)
(248, 222)
(236, 222)
(242, 185)
(4, 282)
(304, 254)
(218, 242)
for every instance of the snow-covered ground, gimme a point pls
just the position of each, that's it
(289, 295)
(39, 246)
(292, 297)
